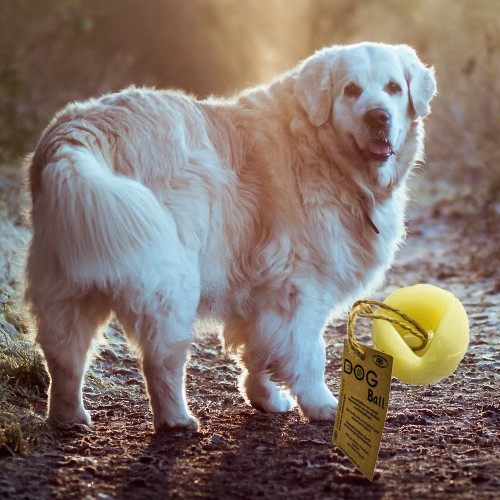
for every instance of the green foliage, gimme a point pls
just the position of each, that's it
(11, 433)
(23, 381)
(34, 41)
(20, 429)
(22, 368)
(21, 365)
(17, 118)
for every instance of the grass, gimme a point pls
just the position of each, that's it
(23, 382)
(22, 367)
(23, 378)
(11, 434)
(23, 385)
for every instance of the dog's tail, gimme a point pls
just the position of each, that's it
(94, 223)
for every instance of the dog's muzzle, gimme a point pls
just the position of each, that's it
(379, 147)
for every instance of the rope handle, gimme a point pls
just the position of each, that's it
(363, 309)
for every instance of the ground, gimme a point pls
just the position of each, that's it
(440, 441)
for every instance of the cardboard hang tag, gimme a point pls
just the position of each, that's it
(363, 400)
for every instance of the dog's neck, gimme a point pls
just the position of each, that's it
(358, 170)
(370, 221)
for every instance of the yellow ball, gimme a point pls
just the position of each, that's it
(442, 315)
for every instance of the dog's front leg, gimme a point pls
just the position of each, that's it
(162, 331)
(291, 350)
(308, 377)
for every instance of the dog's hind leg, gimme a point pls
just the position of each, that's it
(158, 318)
(165, 374)
(65, 332)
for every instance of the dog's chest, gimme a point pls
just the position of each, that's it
(352, 247)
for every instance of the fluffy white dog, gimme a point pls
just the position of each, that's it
(266, 211)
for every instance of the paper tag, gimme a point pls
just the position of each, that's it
(363, 400)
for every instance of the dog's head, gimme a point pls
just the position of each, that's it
(369, 93)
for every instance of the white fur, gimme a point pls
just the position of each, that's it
(254, 211)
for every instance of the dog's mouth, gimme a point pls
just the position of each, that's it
(378, 149)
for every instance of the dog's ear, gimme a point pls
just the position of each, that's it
(420, 78)
(313, 87)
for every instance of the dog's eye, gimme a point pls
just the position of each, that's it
(352, 90)
(393, 88)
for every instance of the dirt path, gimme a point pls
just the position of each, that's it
(440, 441)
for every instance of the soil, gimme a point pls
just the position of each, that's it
(440, 441)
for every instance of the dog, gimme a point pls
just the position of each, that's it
(269, 212)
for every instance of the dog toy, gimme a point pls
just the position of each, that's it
(429, 335)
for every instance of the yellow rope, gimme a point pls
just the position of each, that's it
(363, 309)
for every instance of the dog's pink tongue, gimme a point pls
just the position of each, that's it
(380, 148)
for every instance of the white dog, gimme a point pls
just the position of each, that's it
(267, 211)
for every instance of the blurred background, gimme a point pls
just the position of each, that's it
(56, 51)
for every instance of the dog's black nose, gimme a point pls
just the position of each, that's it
(377, 117)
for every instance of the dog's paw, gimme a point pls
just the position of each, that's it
(185, 424)
(320, 408)
(59, 416)
(265, 395)
(320, 413)
(277, 401)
